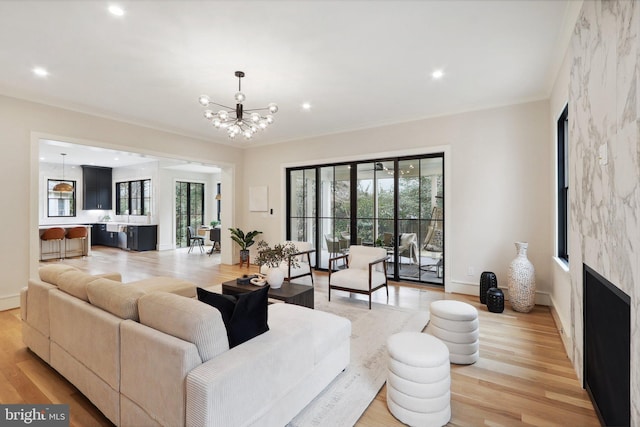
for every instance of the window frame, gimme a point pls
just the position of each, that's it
(145, 199)
(73, 198)
(563, 184)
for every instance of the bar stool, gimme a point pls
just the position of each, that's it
(77, 233)
(49, 235)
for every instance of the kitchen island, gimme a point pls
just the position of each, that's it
(77, 247)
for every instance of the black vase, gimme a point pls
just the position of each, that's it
(488, 280)
(495, 300)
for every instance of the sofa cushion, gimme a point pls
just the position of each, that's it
(166, 284)
(51, 273)
(74, 282)
(114, 297)
(244, 316)
(357, 279)
(187, 319)
(361, 256)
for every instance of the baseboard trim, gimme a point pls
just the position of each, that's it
(468, 288)
(9, 302)
(566, 339)
(459, 287)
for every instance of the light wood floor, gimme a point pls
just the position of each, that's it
(523, 377)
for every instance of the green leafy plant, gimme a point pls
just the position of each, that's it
(214, 223)
(244, 240)
(272, 257)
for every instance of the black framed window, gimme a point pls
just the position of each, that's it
(133, 197)
(563, 184)
(59, 203)
(396, 203)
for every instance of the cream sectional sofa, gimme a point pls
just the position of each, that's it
(148, 353)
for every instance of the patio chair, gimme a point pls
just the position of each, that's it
(333, 245)
(365, 272)
(433, 241)
(408, 247)
(345, 241)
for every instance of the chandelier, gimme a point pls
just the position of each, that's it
(238, 121)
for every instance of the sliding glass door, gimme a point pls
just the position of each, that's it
(396, 204)
(301, 202)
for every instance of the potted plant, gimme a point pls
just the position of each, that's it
(273, 257)
(244, 241)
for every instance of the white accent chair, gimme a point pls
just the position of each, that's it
(303, 258)
(365, 272)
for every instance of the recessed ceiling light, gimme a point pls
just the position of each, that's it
(40, 72)
(116, 10)
(306, 106)
(437, 74)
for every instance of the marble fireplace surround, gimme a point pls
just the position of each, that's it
(604, 226)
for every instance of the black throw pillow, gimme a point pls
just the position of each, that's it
(244, 315)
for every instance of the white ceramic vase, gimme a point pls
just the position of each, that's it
(522, 281)
(275, 277)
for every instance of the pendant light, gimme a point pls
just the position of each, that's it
(63, 187)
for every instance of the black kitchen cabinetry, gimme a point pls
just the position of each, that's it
(97, 188)
(142, 237)
(100, 236)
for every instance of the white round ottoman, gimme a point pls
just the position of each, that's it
(456, 324)
(418, 380)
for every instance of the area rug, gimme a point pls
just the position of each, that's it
(349, 395)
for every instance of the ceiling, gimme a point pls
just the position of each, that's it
(51, 151)
(358, 63)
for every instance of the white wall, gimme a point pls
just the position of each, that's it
(24, 123)
(561, 301)
(497, 193)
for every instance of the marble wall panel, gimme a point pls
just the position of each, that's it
(605, 198)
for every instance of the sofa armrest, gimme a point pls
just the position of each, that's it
(237, 387)
(154, 366)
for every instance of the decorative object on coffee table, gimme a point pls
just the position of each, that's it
(522, 281)
(244, 241)
(488, 280)
(495, 300)
(273, 258)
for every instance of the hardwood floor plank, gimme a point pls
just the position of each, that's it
(523, 376)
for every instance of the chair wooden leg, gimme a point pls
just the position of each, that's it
(329, 293)
(369, 300)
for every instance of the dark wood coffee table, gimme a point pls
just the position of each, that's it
(291, 293)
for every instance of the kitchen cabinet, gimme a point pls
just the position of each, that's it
(100, 236)
(142, 237)
(97, 187)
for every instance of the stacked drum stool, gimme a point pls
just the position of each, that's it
(456, 324)
(419, 379)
